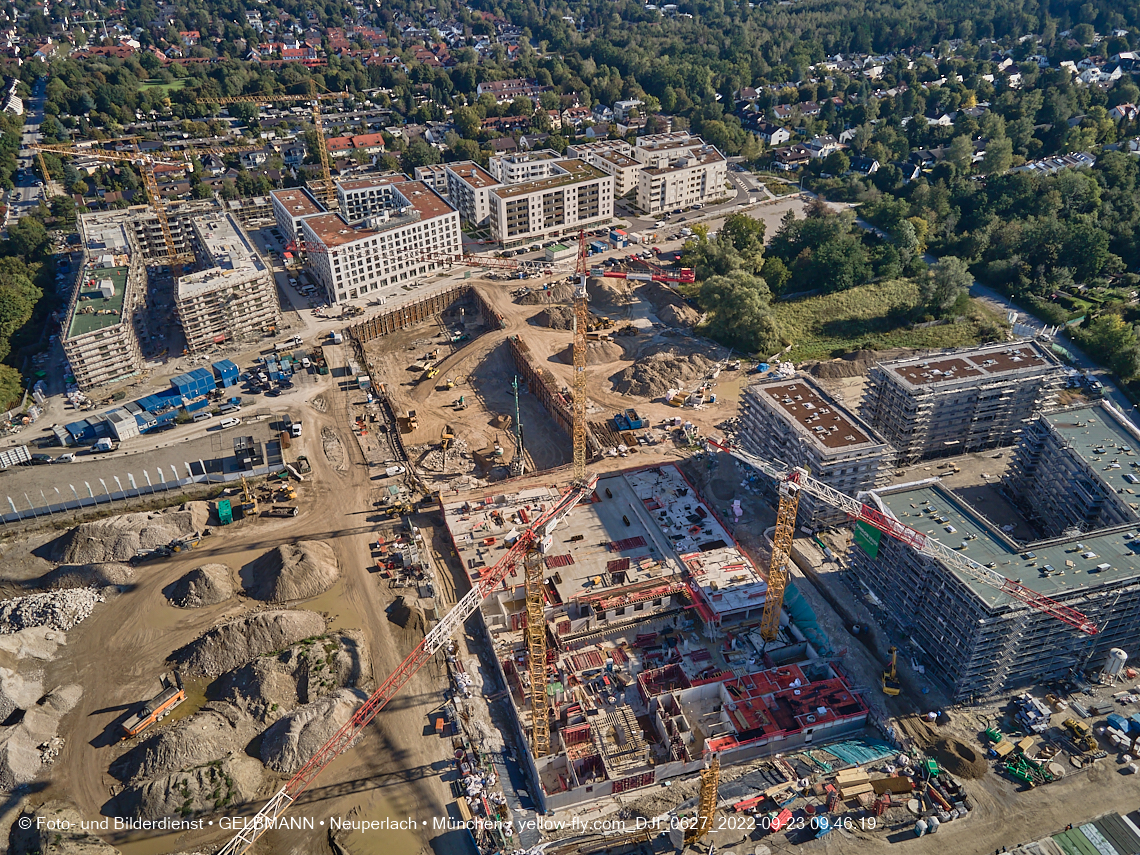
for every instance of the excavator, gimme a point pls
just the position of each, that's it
(891, 684)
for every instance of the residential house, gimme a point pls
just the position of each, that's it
(791, 158)
(773, 135)
(822, 146)
(864, 165)
(1127, 112)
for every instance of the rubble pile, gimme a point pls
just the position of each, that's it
(120, 538)
(230, 645)
(60, 610)
(436, 458)
(657, 373)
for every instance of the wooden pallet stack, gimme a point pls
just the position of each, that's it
(853, 783)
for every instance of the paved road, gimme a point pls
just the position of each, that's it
(26, 195)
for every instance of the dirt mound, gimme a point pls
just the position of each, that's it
(119, 538)
(562, 292)
(297, 676)
(212, 787)
(65, 836)
(597, 353)
(556, 318)
(25, 745)
(653, 375)
(670, 306)
(230, 645)
(295, 571)
(951, 753)
(608, 292)
(86, 576)
(854, 364)
(208, 735)
(289, 743)
(203, 586)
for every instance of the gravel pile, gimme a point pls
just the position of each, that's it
(657, 373)
(608, 292)
(233, 781)
(671, 308)
(100, 575)
(22, 745)
(119, 538)
(295, 571)
(556, 318)
(203, 586)
(208, 735)
(597, 353)
(563, 292)
(288, 744)
(230, 645)
(56, 609)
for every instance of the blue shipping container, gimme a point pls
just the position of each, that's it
(1118, 721)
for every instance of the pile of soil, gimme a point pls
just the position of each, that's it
(854, 364)
(22, 744)
(208, 735)
(597, 353)
(671, 308)
(296, 676)
(563, 292)
(230, 645)
(203, 586)
(119, 538)
(64, 836)
(952, 754)
(233, 781)
(86, 576)
(608, 292)
(659, 372)
(288, 744)
(295, 571)
(556, 318)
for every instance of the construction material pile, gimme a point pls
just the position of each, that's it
(556, 318)
(657, 373)
(670, 306)
(610, 293)
(563, 292)
(288, 744)
(207, 736)
(87, 576)
(203, 586)
(597, 353)
(295, 571)
(120, 538)
(437, 457)
(234, 780)
(55, 609)
(235, 643)
(25, 744)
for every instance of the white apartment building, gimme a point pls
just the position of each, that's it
(234, 298)
(362, 197)
(290, 207)
(575, 195)
(523, 166)
(613, 157)
(435, 177)
(468, 189)
(410, 240)
(680, 176)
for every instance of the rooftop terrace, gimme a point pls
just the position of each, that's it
(1001, 360)
(93, 311)
(815, 418)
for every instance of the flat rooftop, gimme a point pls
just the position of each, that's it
(297, 202)
(1053, 567)
(822, 422)
(333, 230)
(474, 175)
(93, 311)
(353, 185)
(1099, 436)
(1001, 360)
(692, 157)
(669, 140)
(235, 261)
(575, 172)
(423, 198)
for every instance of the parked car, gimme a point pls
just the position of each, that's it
(229, 423)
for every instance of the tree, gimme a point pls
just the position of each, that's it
(998, 157)
(418, 153)
(948, 279)
(740, 317)
(1113, 342)
(744, 233)
(836, 163)
(960, 153)
(28, 238)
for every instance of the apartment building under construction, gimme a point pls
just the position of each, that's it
(1073, 466)
(961, 401)
(795, 422)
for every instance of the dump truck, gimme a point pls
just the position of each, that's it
(157, 708)
(446, 437)
(412, 420)
(302, 465)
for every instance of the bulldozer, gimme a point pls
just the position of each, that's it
(891, 684)
(1082, 734)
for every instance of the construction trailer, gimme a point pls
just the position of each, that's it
(156, 708)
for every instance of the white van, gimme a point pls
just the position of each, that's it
(229, 423)
(203, 417)
(69, 457)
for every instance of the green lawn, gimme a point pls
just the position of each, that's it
(830, 325)
(777, 187)
(156, 83)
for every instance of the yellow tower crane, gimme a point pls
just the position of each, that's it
(581, 321)
(324, 188)
(706, 806)
(146, 164)
(536, 651)
(781, 555)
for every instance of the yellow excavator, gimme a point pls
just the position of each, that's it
(891, 684)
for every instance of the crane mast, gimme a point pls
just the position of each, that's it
(920, 542)
(581, 320)
(533, 538)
